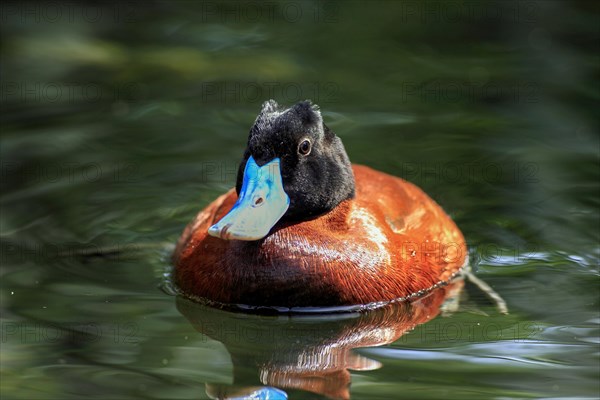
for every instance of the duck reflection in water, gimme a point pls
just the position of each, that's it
(272, 355)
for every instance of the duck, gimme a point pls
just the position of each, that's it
(305, 229)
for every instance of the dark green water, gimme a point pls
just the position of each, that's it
(120, 122)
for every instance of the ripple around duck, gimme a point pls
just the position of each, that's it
(525, 354)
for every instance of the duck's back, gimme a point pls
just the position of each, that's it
(390, 242)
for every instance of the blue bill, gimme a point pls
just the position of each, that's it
(261, 203)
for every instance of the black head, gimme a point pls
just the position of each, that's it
(315, 168)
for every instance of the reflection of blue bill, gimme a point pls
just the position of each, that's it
(261, 203)
(266, 393)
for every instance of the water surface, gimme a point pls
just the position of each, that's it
(120, 122)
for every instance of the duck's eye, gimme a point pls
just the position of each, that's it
(304, 147)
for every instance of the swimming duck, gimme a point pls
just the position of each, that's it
(305, 228)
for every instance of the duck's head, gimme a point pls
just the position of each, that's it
(294, 168)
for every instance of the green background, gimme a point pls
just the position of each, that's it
(121, 121)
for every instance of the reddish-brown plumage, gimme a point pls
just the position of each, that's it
(391, 241)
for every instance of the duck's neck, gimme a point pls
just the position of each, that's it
(310, 206)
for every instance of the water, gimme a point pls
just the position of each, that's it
(120, 122)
